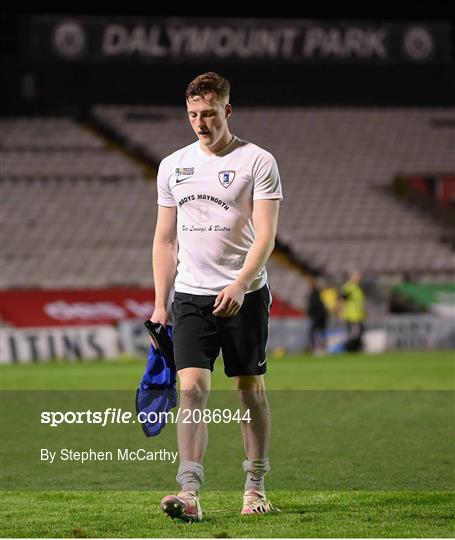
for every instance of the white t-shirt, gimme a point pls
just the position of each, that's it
(214, 198)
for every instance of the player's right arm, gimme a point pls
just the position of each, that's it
(164, 260)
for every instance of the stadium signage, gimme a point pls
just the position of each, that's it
(75, 307)
(420, 332)
(76, 343)
(242, 43)
(237, 40)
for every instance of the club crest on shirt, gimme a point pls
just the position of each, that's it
(226, 178)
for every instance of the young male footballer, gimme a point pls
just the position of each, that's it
(218, 210)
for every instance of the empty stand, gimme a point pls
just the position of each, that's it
(75, 213)
(78, 212)
(71, 232)
(335, 165)
(46, 133)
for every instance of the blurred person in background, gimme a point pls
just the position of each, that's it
(318, 315)
(352, 311)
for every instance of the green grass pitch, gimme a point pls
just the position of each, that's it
(332, 511)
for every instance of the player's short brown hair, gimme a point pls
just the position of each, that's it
(208, 83)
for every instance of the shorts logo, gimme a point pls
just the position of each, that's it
(260, 364)
(226, 178)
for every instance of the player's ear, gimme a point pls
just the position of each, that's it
(227, 110)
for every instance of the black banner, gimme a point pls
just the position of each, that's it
(287, 41)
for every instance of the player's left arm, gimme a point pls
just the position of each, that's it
(265, 222)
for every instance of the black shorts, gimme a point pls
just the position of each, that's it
(199, 335)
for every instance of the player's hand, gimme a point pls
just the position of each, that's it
(229, 301)
(160, 315)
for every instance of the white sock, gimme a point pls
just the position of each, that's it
(255, 470)
(190, 475)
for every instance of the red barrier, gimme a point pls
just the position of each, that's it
(45, 308)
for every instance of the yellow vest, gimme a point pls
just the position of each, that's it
(354, 303)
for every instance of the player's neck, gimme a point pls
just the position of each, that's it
(225, 141)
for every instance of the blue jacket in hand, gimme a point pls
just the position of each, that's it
(157, 392)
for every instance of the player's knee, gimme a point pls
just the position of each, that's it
(193, 397)
(194, 385)
(194, 379)
(251, 389)
(250, 382)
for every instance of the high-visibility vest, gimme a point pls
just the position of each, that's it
(354, 303)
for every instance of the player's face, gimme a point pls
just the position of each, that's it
(208, 117)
